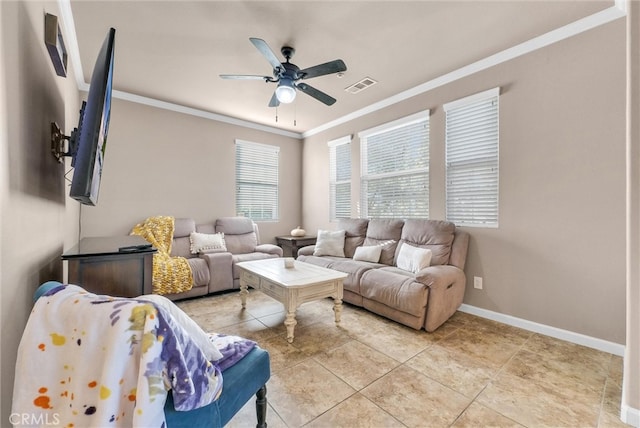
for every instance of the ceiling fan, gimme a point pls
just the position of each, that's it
(287, 75)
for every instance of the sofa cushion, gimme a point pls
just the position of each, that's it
(398, 271)
(239, 234)
(382, 230)
(330, 243)
(435, 235)
(395, 290)
(355, 270)
(183, 227)
(234, 225)
(355, 231)
(237, 258)
(324, 261)
(413, 259)
(200, 271)
(181, 245)
(241, 244)
(459, 249)
(206, 228)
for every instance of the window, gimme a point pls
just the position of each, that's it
(472, 159)
(257, 181)
(340, 178)
(395, 169)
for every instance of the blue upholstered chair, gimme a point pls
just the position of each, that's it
(242, 381)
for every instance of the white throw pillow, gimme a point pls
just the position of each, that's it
(413, 258)
(199, 337)
(329, 243)
(205, 241)
(368, 253)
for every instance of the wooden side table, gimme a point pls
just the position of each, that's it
(98, 266)
(291, 244)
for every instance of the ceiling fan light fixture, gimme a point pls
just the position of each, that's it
(287, 74)
(285, 92)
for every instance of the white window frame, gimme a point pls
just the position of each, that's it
(339, 189)
(417, 174)
(472, 148)
(257, 175)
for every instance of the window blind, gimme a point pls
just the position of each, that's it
(472, 159)
(395, 169)
(257, 180)
(340, 178)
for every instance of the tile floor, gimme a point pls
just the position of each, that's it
(372, 372)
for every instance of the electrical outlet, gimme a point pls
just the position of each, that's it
(477, 282)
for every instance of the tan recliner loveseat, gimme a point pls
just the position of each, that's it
(214, 270)
(424, 299)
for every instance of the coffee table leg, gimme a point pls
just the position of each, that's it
(243, 294)
(290, 322)
(337, 308)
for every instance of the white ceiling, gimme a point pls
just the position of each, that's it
(173, 51)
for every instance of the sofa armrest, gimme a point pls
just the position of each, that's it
(440, 276)
(307, 251)
(220, 270)
(269, 249)
(446, 291)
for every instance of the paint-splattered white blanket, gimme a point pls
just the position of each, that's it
(87, 360)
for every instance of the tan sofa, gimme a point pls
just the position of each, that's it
(424, 299)
(214, 270)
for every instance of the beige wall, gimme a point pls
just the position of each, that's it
(160, 162)
(631, 386)
(557, 257)
(38, 222)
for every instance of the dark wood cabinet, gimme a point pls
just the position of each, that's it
(291, 244)
(99, 266)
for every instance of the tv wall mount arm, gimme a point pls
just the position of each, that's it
(58, 139)
(59, 147)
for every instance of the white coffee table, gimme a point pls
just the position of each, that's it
(292, 287)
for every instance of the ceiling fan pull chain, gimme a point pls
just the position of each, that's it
(276, 114)
(295, 113)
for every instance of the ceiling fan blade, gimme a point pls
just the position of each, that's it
(274, 101)
(244, 77)
(330, 67)
(318, 95)
(266, 51)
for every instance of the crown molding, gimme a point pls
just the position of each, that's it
(69, 29)
(618, 10)
(592, 21)
(127, 96)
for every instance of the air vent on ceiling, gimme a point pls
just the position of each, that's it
(361, 85)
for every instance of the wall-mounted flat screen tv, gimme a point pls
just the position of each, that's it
(89, 143)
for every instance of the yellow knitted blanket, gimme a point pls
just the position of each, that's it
(170, 274)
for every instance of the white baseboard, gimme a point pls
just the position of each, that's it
(569, 336)
(630, 416)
